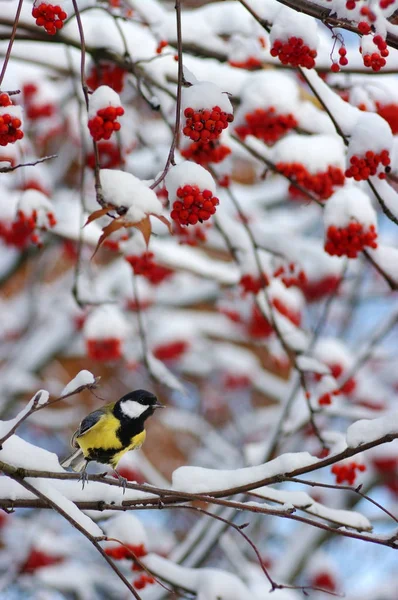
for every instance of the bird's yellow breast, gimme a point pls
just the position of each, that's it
(103, 436)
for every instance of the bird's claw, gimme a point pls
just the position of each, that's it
(83, 478)
(122, 481)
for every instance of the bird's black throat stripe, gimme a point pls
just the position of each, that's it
(130, 427)
(102, 456)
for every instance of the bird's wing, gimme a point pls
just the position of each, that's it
(87, 423)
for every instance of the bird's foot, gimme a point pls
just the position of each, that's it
(122, 481)
(83, 478)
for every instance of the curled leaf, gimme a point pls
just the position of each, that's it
(97, 214)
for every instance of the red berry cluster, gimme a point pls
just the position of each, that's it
(376, 60)
(22, 230)
(49, 16)
(128, 551)
(205, 125)
(38, 559)
(144, 265)
(171, 351)
(266, 125)
(33, 110)
(106, 73)
(104, 349)
(385, 464)
(104, 123)
(348, 241)
(385, 3)
(346, 472)
(291, 275)
(258, 326)
(204, 153)
(389, 112)
(250, 64)
(109, 156)
(191, 236)
(193, 205)
(362, 168)
(162, 44)
(10, 130)
(323, 184)
(294, 52)
(324, 580)
(315, 290)
(364, 28)
(235, 382)
(368, 13)
(293, 316)
(337, 371)
(252, 284)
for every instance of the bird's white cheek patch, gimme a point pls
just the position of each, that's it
(132, 409)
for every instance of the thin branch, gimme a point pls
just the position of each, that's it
(29, 164)
(180, 83)
(11, 42)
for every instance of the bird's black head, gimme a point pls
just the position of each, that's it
(139, 404)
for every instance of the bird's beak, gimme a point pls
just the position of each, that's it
(158, 405)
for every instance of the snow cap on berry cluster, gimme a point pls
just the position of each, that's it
(349, 205)
(268, 89)
(105, 322)
(123, 189)
(34, 201)
(332, 351)
(205, 95)
(127, 529)
(283, 298)
(371, 132)
(288, 23)
(315, 152)
(188, 173)
(103, 97)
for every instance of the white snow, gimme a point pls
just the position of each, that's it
(315, 152)
(39, 399)
(369, 430)
(103, 97)
(33, 200)
(123, 189)
(19, 453)
(371, 132)
(83, 378)
(188, 173)
(304, 501)
(126, 528)
(105, 322)
(349, 205)
(200, 480)
(288, 23)
(204, 94)
(66, 505)
(268, 89)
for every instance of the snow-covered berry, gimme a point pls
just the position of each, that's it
(105, 109)
(104, 334)
(350, 223)
(345, 472)
(294, 52)
(106, 73)
(10, 121)
(191, 191)
(369, 148)
(316, 163)
(204, 125)
(34, 213)
(266, 125)
(207, 112)
(49, 16)
(171, 351)
(204, 153)
(145, 265)
(110, 156)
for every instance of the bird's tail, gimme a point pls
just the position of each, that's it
(76, 461)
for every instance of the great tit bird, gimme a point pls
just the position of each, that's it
(106, 434)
